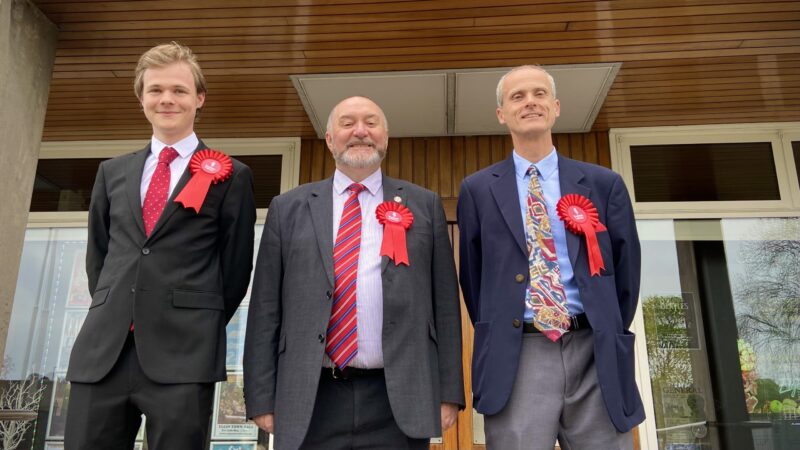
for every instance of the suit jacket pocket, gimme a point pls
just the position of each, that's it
(197, 299)
(625, 366)
(99, 297)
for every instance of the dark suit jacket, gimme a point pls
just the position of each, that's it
(493, 251)
(180, 285)
(291, 305)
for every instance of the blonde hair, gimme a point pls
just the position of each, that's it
(164, 55)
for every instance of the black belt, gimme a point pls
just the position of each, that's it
(348, 373)
(577, 322)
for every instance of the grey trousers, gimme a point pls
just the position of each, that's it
(555, 397)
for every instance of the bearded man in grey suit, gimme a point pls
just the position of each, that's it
(347, 348)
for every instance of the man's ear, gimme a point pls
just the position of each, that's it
(500, 117)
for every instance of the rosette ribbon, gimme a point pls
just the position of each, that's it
(207, 167)
(396, 219)
(580, 217)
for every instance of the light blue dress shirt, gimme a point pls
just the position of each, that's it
(548, 179)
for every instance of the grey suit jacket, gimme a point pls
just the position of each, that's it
(291, 304)
(180, 285)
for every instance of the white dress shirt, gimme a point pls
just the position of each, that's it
(369, 284)
(185, 148)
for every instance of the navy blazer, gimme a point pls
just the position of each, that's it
(493, 252)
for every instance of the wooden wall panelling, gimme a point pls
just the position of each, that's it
(441, 163)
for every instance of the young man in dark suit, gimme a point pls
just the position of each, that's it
(165, 278)
(553, 357)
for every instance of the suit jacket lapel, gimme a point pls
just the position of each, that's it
(320, 203)
(171, 206)
(571, 181)
(133, 186)
(392, 188)
(505, 193)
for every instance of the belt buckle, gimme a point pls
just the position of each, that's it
(333, 373)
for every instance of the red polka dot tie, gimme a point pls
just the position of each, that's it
(158, 190)
(342, 327)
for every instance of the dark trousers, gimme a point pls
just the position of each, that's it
(106, 415)
(355, 414)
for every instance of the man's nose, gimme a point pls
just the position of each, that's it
(166, 97)
(361, 129)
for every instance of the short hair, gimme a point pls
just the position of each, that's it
(499, 91)
(164, 55)
(329, 125)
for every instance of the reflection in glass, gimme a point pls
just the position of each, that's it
(679, 378)
(50, 304)
(763, 257)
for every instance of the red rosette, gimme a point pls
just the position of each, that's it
(580, 217)
(396, 219)
(208, 167)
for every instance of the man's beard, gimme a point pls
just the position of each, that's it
(359, 160)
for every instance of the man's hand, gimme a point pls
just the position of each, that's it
(264, 421)
(449, 415)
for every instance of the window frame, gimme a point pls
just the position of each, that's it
(780, 135)
(288, 148)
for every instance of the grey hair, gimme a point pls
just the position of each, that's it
(499, 91)
(329, 125)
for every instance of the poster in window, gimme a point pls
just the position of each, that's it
(58, 408)
(233, 446)
(73, 320)
(230, 419)
(235, 332)
(78, 296)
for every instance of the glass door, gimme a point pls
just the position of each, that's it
(721, 307)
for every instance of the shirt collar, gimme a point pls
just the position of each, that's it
(341, 182)
(185, 146)
(547, 166)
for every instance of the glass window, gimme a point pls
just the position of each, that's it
(65, 184)
(50, 304)
(721, 304)
(704, 172)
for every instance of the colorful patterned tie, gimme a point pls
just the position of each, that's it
(545, 294)
(157, 192)
(342, 340)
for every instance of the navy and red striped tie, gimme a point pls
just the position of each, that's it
(342, 342)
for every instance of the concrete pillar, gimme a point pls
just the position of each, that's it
(27, 51)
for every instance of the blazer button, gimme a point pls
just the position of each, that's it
(145, 251)
(329, 295)
(321, 338)
(516, 323)
(520, 278)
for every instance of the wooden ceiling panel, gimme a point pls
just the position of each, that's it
(698, 62)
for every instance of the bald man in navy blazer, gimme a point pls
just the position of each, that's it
(580, 388)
